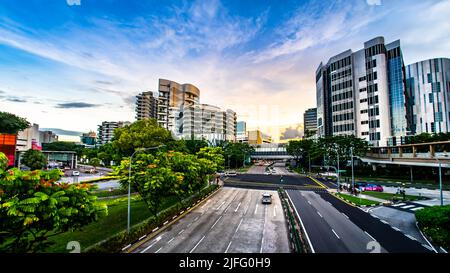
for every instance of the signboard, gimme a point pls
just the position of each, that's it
(8, 147)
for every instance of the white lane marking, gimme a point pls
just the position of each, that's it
(399, 204)
(154, 242)
(370, 236)
(158, 250)
(410, 237)
(256, 208)
(407, 207)
(196, 219)
(171, 240)
(189, 225)
(345, 215)
(206, 203)
(242, 219)
(309, 202)
(264, 227)
(384, 222)
(227, 207)
(237, 207)
(301, 223)
(428, 247)
(275, 211)
(396, 229)
(418, 208)
(192, 250)
(335, 233)
(220, 205)
(226, 250)
(320, 214)
(216, 222)
(181, 231)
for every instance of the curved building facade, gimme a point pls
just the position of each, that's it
(173, 97)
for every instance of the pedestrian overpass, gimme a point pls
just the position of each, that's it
(420, 154)
(271, 153)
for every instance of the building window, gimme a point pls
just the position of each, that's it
(431, 97)
(430, 78)
(362, 79)
(364, 122)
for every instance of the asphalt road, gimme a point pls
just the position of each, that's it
(232, 221)
(390, 239)
(329, 230)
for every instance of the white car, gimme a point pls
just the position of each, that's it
(75, 173)
(231, 173)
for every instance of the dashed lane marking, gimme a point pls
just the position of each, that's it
(320, 214)
(192, 250)
(237, 207)
(335, 233)
(216, 222)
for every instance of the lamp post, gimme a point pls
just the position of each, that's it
(440, 179)
(353, 176)
(129, 183)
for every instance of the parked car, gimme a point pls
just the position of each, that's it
(75, 173)
(373, 187)
(266, 198)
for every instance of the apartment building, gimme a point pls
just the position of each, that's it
(146, 105)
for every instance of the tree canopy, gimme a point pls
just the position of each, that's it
(34, 159)
(144, 133)
(12, 124)
(33, 205)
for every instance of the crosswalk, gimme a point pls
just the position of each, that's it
(407, 206)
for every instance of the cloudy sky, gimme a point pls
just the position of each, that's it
(72, 64)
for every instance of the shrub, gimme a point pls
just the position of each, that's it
(435, 223)
(118, 241)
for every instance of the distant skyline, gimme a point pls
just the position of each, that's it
(70, 66)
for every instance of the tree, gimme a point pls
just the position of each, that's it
(194, 145)
(12, 124)
(144, 133)
(3, 161)
(34, 159)
(94, 162)
(34, 205)
(299, 149)
(236, 152)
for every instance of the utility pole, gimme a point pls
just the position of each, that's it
(353, 176)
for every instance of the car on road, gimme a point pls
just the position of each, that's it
(75, 173)
(231, 173)
(268, 173)
(373, 187)
(266, 198)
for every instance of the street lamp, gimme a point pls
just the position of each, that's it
(338, 171)
(353, 176)
(440, 179)
(129, 182)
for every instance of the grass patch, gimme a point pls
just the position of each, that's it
(107, 193)
(435, 223)
(392, 196)
(358, 201)
(115, 222)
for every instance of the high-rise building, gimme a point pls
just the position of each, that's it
(310, 122)
(146, 105)
(89, 138)
(47, 137)
(208, 122)
(241, 131)
(28, 139)
(428, 86)
(106, 130)
(173, 97)
(363, 93)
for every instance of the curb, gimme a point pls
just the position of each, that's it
(137, 243)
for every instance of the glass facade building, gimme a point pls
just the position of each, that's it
(362, 93)
(428, 86)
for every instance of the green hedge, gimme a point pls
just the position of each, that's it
(117, 242)
(103, 178)
(435, 223)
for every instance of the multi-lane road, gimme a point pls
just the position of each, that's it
(232, 221)
(235, 221)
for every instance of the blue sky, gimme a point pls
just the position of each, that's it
(73, 66)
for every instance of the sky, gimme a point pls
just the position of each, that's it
(72, 64)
